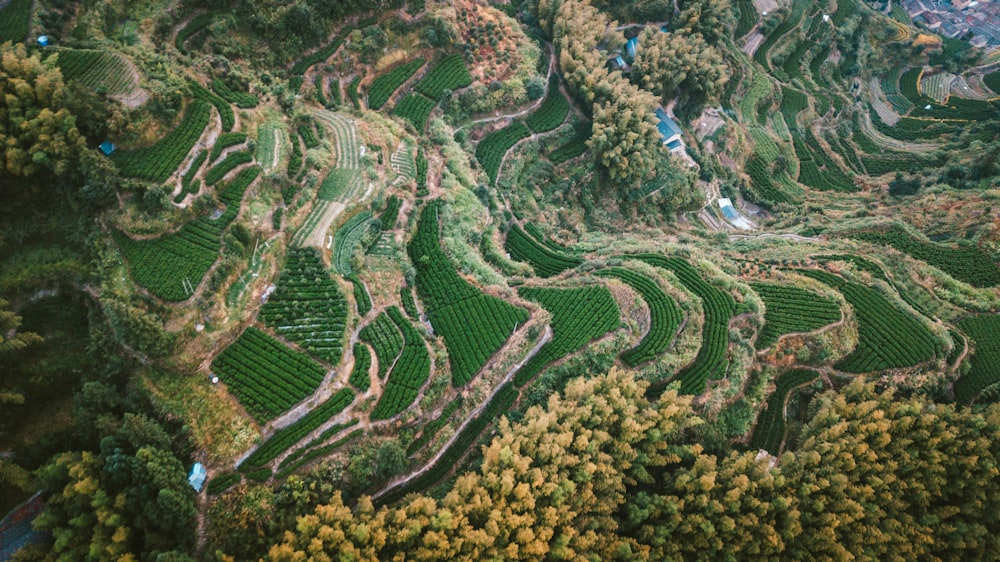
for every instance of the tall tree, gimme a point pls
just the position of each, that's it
(37, 132)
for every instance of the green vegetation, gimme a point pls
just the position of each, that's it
(474, 325)
(984, 331)
(188, 183)
(385, 338)
(887, 337)
(15, 21)
(578, 316)
(222, 106)
(748, 18)
(243, 100)
(158, 162)
(431, 428)
(409, 303)
(292, 434)
(267, 377)
(172, 266)
(307, 307)
(346, 237)
(361, 298)
(386, 84)
(992, 81)
(319, 56)
(360, 378)
(552, 112)
(196, 24)
(448, 75)
(769, 433)
(965, 262)
(664, 316)
(223, 482)
(415, 109)
(491, 150)
(544, 260)
(96, 70)
(790, 309)
(408, 374)
(573, 148)
(233, 161)
(224, 141)
(719, 306)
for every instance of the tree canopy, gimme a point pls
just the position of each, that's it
(602, 473)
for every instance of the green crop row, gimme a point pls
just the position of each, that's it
(197, 24)
(390, 215)
(500, 403)
(313, 454)
(345, 239)
(767, 193)
(553, 110)
(474, 325)
(224, 141)
(219, 171)
(449, 74)
(421, 163)
(769, 432)
(172, 265)
(719, 306)
(361, 298)
(267, 377)
(96, 70)
(748, 18)
(491, 150)
(965, 262)
(222, 106)
(984, 330)
(242, 100)
(319, 56)
(573, 148)
(578, 316)
(360, 378)
(415, 109)
(544, 260)
(307, 307)
(157, 162)
(409, 303)
(887, 337)
(992, 81)
(292, 434)
(409, 373)
(223, 482)
(790, 309)
(385, 84)
(188, 184)
(664, 316)
(385, 339)
(433, 427)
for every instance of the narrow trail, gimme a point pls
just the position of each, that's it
(796, 237)
(404, 480)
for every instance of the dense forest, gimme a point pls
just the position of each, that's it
(506, 280)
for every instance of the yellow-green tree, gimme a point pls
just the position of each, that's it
(37, 132)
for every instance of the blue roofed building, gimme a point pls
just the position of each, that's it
(197, 476)
(669, 130)
(107, 147)
(631, 46)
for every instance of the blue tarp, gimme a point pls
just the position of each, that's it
(620, 62)
(43, 41)
(107, 147)
(197, 476)
(631, 45)
(730, 212)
